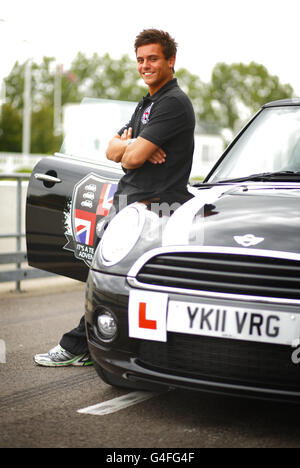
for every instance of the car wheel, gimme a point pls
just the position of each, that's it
(116, 381)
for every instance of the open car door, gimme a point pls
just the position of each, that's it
(71, 193)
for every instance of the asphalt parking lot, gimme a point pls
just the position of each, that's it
(39, 407)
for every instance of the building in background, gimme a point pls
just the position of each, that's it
(208, 149)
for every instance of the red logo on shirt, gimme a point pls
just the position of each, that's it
(146, 114)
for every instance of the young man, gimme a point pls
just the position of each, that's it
(156, 147)
(155, 150)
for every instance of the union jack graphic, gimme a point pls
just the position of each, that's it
(91, 201)
(106, 199)
(146, 114)
(85, 227)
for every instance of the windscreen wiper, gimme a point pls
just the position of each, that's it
(279, 176)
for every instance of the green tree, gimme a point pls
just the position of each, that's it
(235, 91)
(200, 95)
(107, 78)
(98, 77)
(10, 129)
(238, 90)
(42, 83)
(43, 139)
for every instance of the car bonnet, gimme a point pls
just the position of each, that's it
(262, 216)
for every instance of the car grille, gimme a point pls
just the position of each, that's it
(222, 360)
(229, 273)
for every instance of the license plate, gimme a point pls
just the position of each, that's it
(236, 323)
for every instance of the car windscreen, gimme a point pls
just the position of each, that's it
(271, 143)
(90, 125)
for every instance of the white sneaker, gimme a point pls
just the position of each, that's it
(59, 357)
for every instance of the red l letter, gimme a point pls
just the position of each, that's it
(143, 322)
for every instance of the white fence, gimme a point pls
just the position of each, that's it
(12, 162)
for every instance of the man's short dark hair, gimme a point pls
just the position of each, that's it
(155, 36)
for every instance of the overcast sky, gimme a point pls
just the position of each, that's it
(210, 31)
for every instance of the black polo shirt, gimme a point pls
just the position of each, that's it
(166, 119)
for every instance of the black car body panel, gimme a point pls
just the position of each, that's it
(50, 213)
(257, 210)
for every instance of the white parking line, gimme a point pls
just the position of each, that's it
(2, 352)
(117, 404)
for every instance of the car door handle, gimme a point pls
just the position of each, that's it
(47, 178)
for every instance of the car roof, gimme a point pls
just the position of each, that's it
(283, 102)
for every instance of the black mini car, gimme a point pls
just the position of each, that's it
(205, 295)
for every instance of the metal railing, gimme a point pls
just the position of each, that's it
(18, 257)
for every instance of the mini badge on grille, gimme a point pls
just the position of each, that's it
(248, 240)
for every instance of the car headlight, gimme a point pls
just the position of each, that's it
(122, 234)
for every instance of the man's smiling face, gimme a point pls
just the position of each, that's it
(153, 67)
